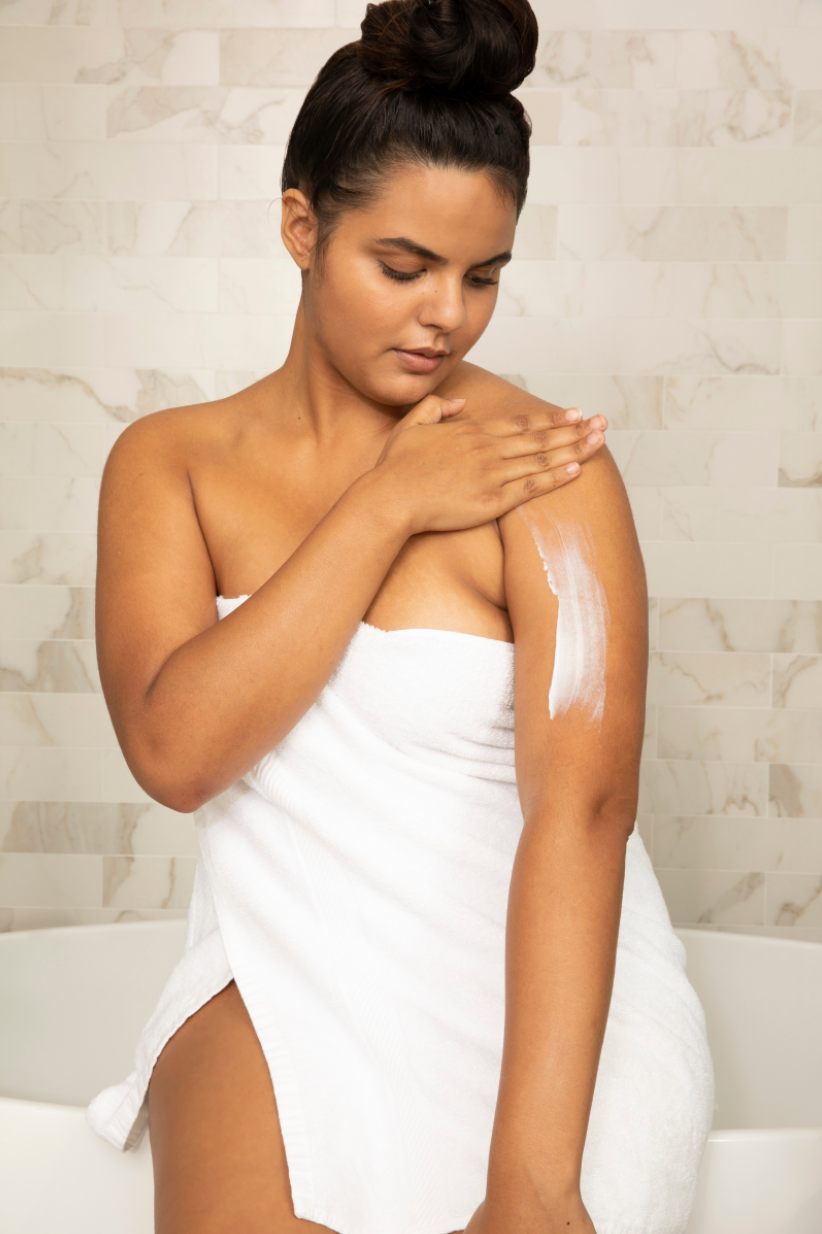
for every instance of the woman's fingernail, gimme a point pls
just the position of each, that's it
(572, 415)
(572, 469)
(598, 422)
(594, 438)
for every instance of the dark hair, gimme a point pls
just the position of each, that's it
(429, 81)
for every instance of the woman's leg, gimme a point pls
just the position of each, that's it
(219, 1159)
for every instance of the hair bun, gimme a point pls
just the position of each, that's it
(477, 48)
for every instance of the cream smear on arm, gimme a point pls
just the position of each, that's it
(567, 555)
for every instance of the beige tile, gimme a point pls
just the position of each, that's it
(795, 791)
(807, 122)
(49, 879)
(797, 682)
(669, 786)
(799, 572)
(271, 57)
(713, 896)
(727, 679)
(46, 773)
(48, 918)
(709, 571)
(741, 625)
(682, 458)
(147, 882)
(544, 109)
(47, 557)
(800, 461)
(673, 233)
(740, 735)
(102, 827)
(740, 514)
(741, 403)
(794, 899)
(735, 843)
(60, 666)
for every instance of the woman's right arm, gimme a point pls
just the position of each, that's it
(196, 702)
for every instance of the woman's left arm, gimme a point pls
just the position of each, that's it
(577, 599)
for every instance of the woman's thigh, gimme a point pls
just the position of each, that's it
(219, 1159)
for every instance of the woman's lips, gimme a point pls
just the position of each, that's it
(417, 361)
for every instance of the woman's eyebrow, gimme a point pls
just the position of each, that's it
(419, 250)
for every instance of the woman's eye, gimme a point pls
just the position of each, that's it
(480, 282)
(400, 275)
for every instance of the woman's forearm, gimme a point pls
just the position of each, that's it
(563, 919)
(226, 697)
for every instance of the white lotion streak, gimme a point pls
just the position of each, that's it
(578, 678)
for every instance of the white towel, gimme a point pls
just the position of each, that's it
(355, 885)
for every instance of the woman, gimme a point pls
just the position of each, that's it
(430, 981)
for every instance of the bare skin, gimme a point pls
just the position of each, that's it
(317, 493)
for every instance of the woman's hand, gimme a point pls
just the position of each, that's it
(530, 1216)
(451, 473)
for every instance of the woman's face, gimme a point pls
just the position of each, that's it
(409, 282)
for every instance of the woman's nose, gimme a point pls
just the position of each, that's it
(444, 306)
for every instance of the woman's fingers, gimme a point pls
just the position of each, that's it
(550, 441)
(515, 492)
(577, 452)
(533, 421)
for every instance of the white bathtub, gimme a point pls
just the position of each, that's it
(72, 1002)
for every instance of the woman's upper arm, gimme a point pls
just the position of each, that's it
(155, 582)
(577, 599)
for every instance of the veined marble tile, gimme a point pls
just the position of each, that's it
(39, 503)
(682, 458)
(741, 625)
(50, 879)
(804, 233)
(799, 572)
(36, 339)
(692, 787)
(203, 114)
(68, 54)
(795, 791)
(740, 735)
(650, 15)
(220, 14)
(745, 289)
(563, 58)
(248, 285)
(737, 843)
(742, 403)
(794, 899)
(45, 12)
(95, 827)
(199, 229)
(231, 381)
(649, 736)
(536, 236)
(249, 172)
(51, 449)
(52, 113)
(108, 395)
(739, 59)
(635, 59)
(803, 347)
(50, 557)
(709, 679)
(797, 682)
(544, 108)
(118, 783)
(800, 461)
(53, 612)
(50, 773)
(675, 117)
(646, 508)
(30, 283)
(220, 339)
(760, 514)
(653, 623)
(67, 721)
(598, 175)
(709, 570)
(109, 170)
(632, 346)
(737, 176)
(278, 57)
(672, 233)
(585, 289)
(136, 284)
(147, 882)
(66, 666)
(51, 227)
(627, 402)
(807, 123)
(713, 896)
(48, 918)
(644, 825)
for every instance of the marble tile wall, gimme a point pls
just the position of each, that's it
(668, 273)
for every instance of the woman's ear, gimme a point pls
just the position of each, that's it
(299, 227)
